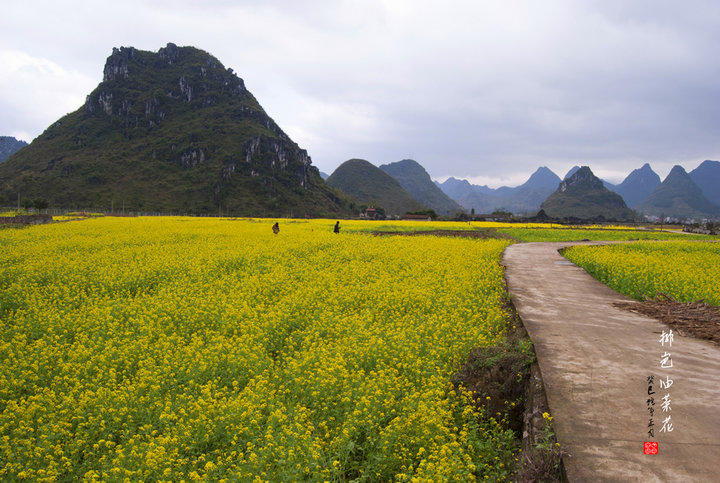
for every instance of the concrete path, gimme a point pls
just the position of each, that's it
(595, 361)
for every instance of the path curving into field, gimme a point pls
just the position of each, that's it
(595, 360)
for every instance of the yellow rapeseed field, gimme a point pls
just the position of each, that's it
(171, 349)
(685, 270)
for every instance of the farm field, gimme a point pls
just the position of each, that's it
(525, 232)
(562, 234)
(177, 349)
(675, 281)
(685, 270)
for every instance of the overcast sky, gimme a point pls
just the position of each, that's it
(485, 90)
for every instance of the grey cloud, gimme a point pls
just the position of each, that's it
(467, 88)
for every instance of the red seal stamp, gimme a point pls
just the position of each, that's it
(650, 447)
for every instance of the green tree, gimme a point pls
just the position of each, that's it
(40, 204)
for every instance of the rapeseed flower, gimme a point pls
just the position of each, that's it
(204, 349)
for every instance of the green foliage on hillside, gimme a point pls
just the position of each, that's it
(172, 131)
(370, 185)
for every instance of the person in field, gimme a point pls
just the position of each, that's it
(337, 227)
(276, 228)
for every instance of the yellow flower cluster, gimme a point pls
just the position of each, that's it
(685, 270)
(175, 349)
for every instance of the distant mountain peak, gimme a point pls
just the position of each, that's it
(678, 197)
(679, 177)
(408, 162)
(543, 177)
(453, 179)
(709, 164)
(571, 172)
(368, 184)
(583, 196)
(9, 146)
(582, 177)
(677, 171)
(416, 181)
(638, 185)
(707, 177)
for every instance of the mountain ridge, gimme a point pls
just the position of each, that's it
(524, 198)
(370, 185)
(678, 197)
(707, 177)
(638, 185)
(416, 181)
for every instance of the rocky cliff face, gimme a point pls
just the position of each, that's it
(199, 86)
(583, 177)
(179, 118)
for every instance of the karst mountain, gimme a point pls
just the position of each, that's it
(678, 196)
(583, 196)
(372, 187)
(170, 131)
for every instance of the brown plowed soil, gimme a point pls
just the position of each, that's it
(488, 233)
(695, 319)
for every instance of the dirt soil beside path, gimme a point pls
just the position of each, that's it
(482, 233)
(695, 319)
